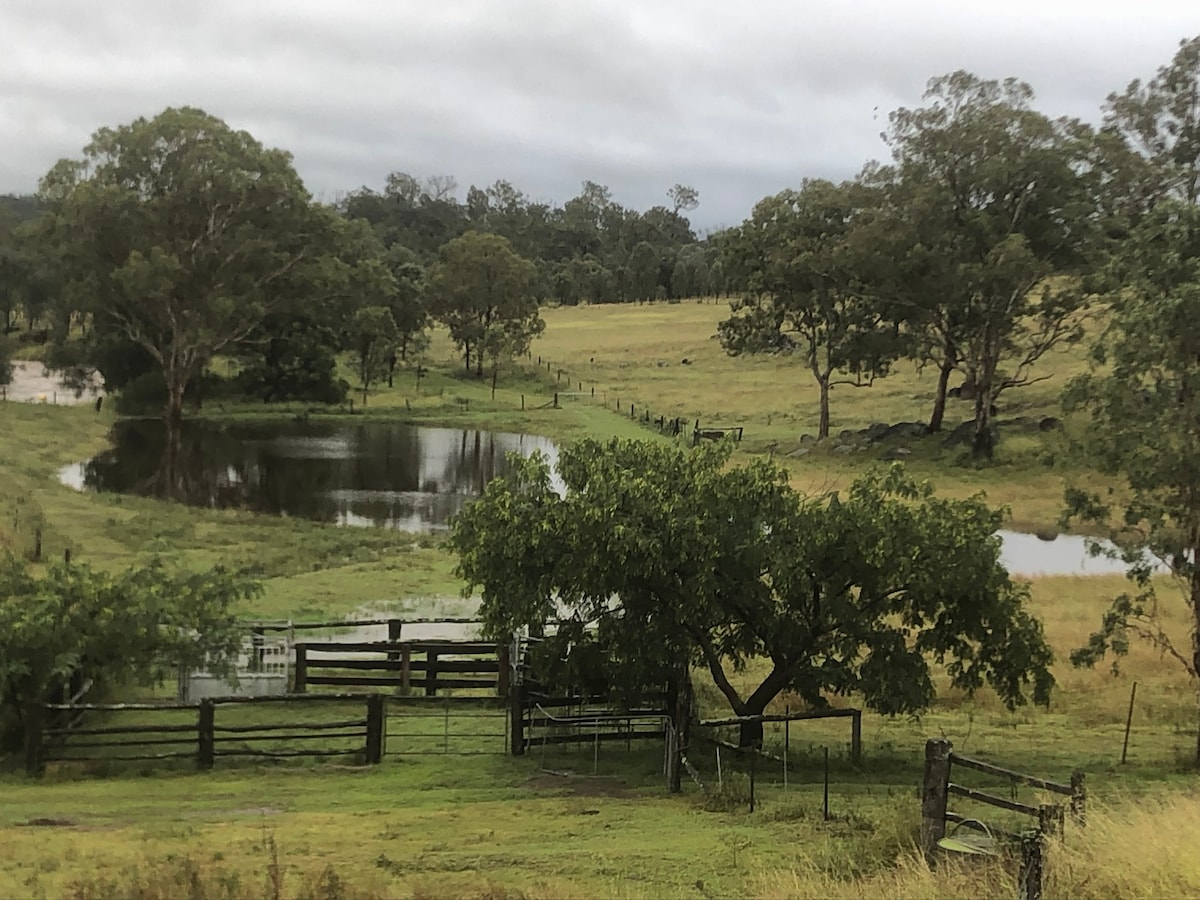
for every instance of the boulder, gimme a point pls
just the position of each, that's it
(902, 430)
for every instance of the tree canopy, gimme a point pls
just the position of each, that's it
(671, 559)
(180, 235)
(134, 627)
(1144, 403)
(480, 289)
(806, 259)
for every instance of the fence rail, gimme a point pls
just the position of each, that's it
(403, 665)
(199, 737)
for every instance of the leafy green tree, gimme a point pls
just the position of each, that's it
(292, 353)
(373, 339)
(1159, 121)
(408, 306)
(6, 366)
(990, 202)
(683, 198)
(134, 627)
(478, 284)
(803, 262)
(643, 271)
(12, 272)
(672, 559)
(1144, 401)
(181, 235)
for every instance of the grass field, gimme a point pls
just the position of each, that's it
(492, 826)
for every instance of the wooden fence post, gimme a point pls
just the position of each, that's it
(431, 673)
(504, 677)
(405, 671)
(1078, 798)
(300, 670)
(934, 792)
(205, 739)
(376, 729)
(856, 737)
(394, 627)
(1050, 818)
(1029, 879)
(516, 714)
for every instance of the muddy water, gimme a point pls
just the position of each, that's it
(32, 383)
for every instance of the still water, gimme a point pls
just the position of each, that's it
(386, 475)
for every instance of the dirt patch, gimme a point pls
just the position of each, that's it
(578, 785)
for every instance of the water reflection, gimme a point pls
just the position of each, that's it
(385, 475)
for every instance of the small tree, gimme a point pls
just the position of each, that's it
(478, 283)
(1144, 401)
(805, 268)
(373, 337)
(134, 627)
(672, 559)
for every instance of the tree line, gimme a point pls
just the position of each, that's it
(232, 257)
(981, 246)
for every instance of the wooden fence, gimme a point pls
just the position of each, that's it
(177, 731)
(403, 665)
(854, 715)
(1049, 817)
(539, 720)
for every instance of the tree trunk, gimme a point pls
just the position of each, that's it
(750, 734)
(984, 443)
(939, 398)
(33, 718)
(391, 368)
(467, 354)
(823, 425)
(168, 476)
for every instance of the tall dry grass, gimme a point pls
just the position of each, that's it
(1129, 850)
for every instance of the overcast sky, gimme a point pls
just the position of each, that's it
(737, 99)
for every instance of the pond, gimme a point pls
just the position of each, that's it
(388, 475)
(381, 474)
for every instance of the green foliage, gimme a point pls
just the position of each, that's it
(806, 269)
(373, 337)
(481, 290)
(672, 558)
(988, 199)
(136, 626)
(1144, 400)
(179, 236)
(1159, 123)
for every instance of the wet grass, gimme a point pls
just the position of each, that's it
(492, 826)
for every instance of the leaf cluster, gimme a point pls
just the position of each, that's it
(676, 558)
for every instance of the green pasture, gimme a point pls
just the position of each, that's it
(570, 822)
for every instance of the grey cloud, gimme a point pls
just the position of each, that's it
(739, 100)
